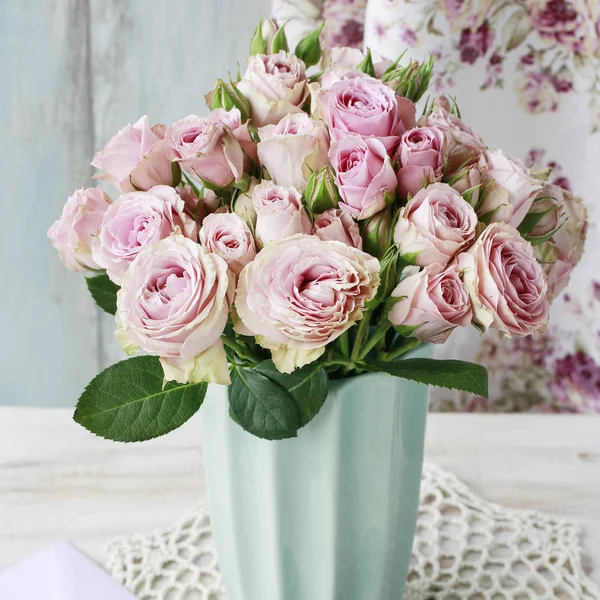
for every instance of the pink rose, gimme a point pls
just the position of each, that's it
(293, 149)
(513, 189)
(434, 301)
(275, 85)
(435, 225)
(421, 154)
(364, 175)
(79, 224)
(336, 225)
(567, 243)
(506, 283)
(174, 303)
(367, 107)
(537, 92)
(136, 220)
(279, 212)
(463, 145)
(135, 158)
(300, 294)
(207, 150)
(227, 235)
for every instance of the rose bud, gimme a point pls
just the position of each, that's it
(431, 303)
(546, 215)
(409, 81)
(174, 303)
(293, 149)
(207, 150)
(434, 226)
(336, 225)
(512, 191)
(377, 233)
(227, 235)
(421, 154)
(275, 86)
(463, 145)
(226, 96)
(364, 175)
(243, 206)
(321, 191)
(279, 212)
(136, 220)
(469, 184)
(79, 224)
(262, 41)
(367, 107)
(507, 284)
(297, 322)
(566, 245)
(136, 158)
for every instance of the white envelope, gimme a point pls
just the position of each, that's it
(61, 572)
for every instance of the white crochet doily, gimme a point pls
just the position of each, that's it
(465, 549)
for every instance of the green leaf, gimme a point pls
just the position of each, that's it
(452, 374)
(307, 386)
(104, 292)
(175, 173)
(308, 49)
(129, 402)
(261, 406)
(366, 66)
(280, 41)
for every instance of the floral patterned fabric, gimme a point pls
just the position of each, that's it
(526, 74)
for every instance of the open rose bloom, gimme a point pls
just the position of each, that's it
(309, 226)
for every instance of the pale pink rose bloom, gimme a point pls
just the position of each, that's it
(422, 156)
(433, 300)
(568, 242)
(296, 321)
(336, 225)
(513, 188)
(79, 224)
(293, 149)
(136, 220)
(463, 145)
(367, 107)
(174, 303)
(227, 235)
(537, 92)
(279, 212)
(275, 85)
(136, 157)
(507, 284)
(207, 150)
(435, 225)
(364, 175)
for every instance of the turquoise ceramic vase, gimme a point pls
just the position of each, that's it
(329, 515)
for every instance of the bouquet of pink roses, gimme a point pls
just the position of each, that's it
(309, 227)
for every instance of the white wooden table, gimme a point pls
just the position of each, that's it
(57, 481)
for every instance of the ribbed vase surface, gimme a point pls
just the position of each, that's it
(329, 515)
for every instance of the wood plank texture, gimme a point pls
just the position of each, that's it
(58, 481)
(49, 344)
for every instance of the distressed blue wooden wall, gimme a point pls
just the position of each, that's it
(72, 72)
